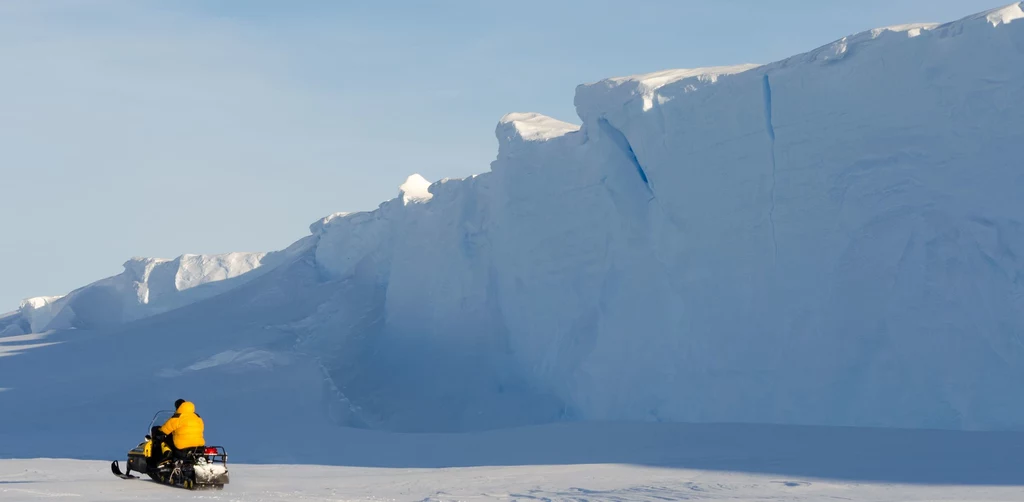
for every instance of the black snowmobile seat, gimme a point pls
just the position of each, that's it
(190, 452)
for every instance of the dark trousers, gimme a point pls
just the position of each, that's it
(156, 449)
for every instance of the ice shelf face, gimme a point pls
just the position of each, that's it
(835, 238)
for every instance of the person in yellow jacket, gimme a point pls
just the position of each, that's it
(185, 427)
(184, 430)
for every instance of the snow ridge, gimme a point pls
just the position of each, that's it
(146, 287)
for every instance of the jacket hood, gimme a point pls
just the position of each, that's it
(186, 407)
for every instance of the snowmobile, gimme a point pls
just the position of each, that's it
(205, 467)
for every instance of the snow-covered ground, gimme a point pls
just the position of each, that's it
(43, 479)
(568, 461)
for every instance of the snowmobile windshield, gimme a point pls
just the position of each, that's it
(159, 418)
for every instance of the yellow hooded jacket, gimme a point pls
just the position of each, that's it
(185, 427)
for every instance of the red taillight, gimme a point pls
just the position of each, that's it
(211, 451)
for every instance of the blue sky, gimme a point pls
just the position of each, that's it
(158, 128)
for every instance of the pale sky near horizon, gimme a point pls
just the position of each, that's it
(156, 128)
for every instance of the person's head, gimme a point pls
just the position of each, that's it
(177, 404)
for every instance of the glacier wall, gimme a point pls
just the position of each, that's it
(832, 239)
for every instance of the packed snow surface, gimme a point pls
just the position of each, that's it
(44, 479)
(831, 239)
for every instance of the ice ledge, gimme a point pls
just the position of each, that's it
(318, 226)
(612, 93)
(840, 48)
(646, 85)
(1002, 15)
(595, 100)
(532, 127)
(38, 302)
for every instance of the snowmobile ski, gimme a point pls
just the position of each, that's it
(116, 469)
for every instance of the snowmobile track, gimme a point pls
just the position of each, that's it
(116, 470)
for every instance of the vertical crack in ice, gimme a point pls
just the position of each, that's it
(771, 137)
(620, 140)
